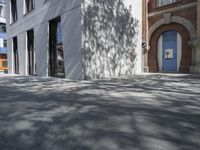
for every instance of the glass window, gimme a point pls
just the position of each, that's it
(13, 10)
(29, 5)
(4, 63)
(2, 2)
(31, 53)
(15, 56)
(165, 2)
(56, 52)
(4, 43)
(2, 27)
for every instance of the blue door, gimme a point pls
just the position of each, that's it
(169, 55)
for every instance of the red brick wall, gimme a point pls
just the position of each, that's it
(152, 5)
(144, 20)
(155, 14)
(189, 14)
(198, 16)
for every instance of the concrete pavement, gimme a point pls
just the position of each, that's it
(144, 112)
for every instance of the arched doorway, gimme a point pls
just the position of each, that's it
(169, 51)
(186, 52)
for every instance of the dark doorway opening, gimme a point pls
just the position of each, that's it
(15, 56)
(31, 52)
(56, 53)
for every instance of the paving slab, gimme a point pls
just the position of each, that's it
(141, 112)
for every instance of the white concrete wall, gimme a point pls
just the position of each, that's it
(10, 56)
(41, 48)
(160, 53)
(71, 25)
(111, 37)
(22, 51)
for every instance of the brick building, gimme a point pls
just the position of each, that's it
(170, 36)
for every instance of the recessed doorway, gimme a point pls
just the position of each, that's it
(169, 51)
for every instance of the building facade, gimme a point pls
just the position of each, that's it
(75, 39)
(3, 41)
(169, 35)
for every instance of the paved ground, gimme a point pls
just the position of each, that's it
(146, 112)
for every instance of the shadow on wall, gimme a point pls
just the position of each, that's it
(110, 34)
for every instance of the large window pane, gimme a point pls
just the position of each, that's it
(15, 56)
(13, 10)
(31, 53)
(56, 53)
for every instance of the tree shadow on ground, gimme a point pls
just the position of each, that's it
(147, 112)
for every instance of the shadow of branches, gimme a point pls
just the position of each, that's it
(147, 112)
(110, 34)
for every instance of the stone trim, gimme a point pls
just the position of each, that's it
(175, 19)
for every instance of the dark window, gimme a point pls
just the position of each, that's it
(4, 63)
(31, 53)
(2, 27)
(5, 70)
(15, 56)
(4, 43)
(29, 5)
(14, 10)
(56, 54)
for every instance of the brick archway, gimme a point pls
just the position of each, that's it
(186, 59)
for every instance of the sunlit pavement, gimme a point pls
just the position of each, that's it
(144, 112)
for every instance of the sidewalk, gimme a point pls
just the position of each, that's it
(143, 112)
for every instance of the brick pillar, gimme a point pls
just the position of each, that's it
(198, 35)
(145, 35)
(196, 46)
(198, 18)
